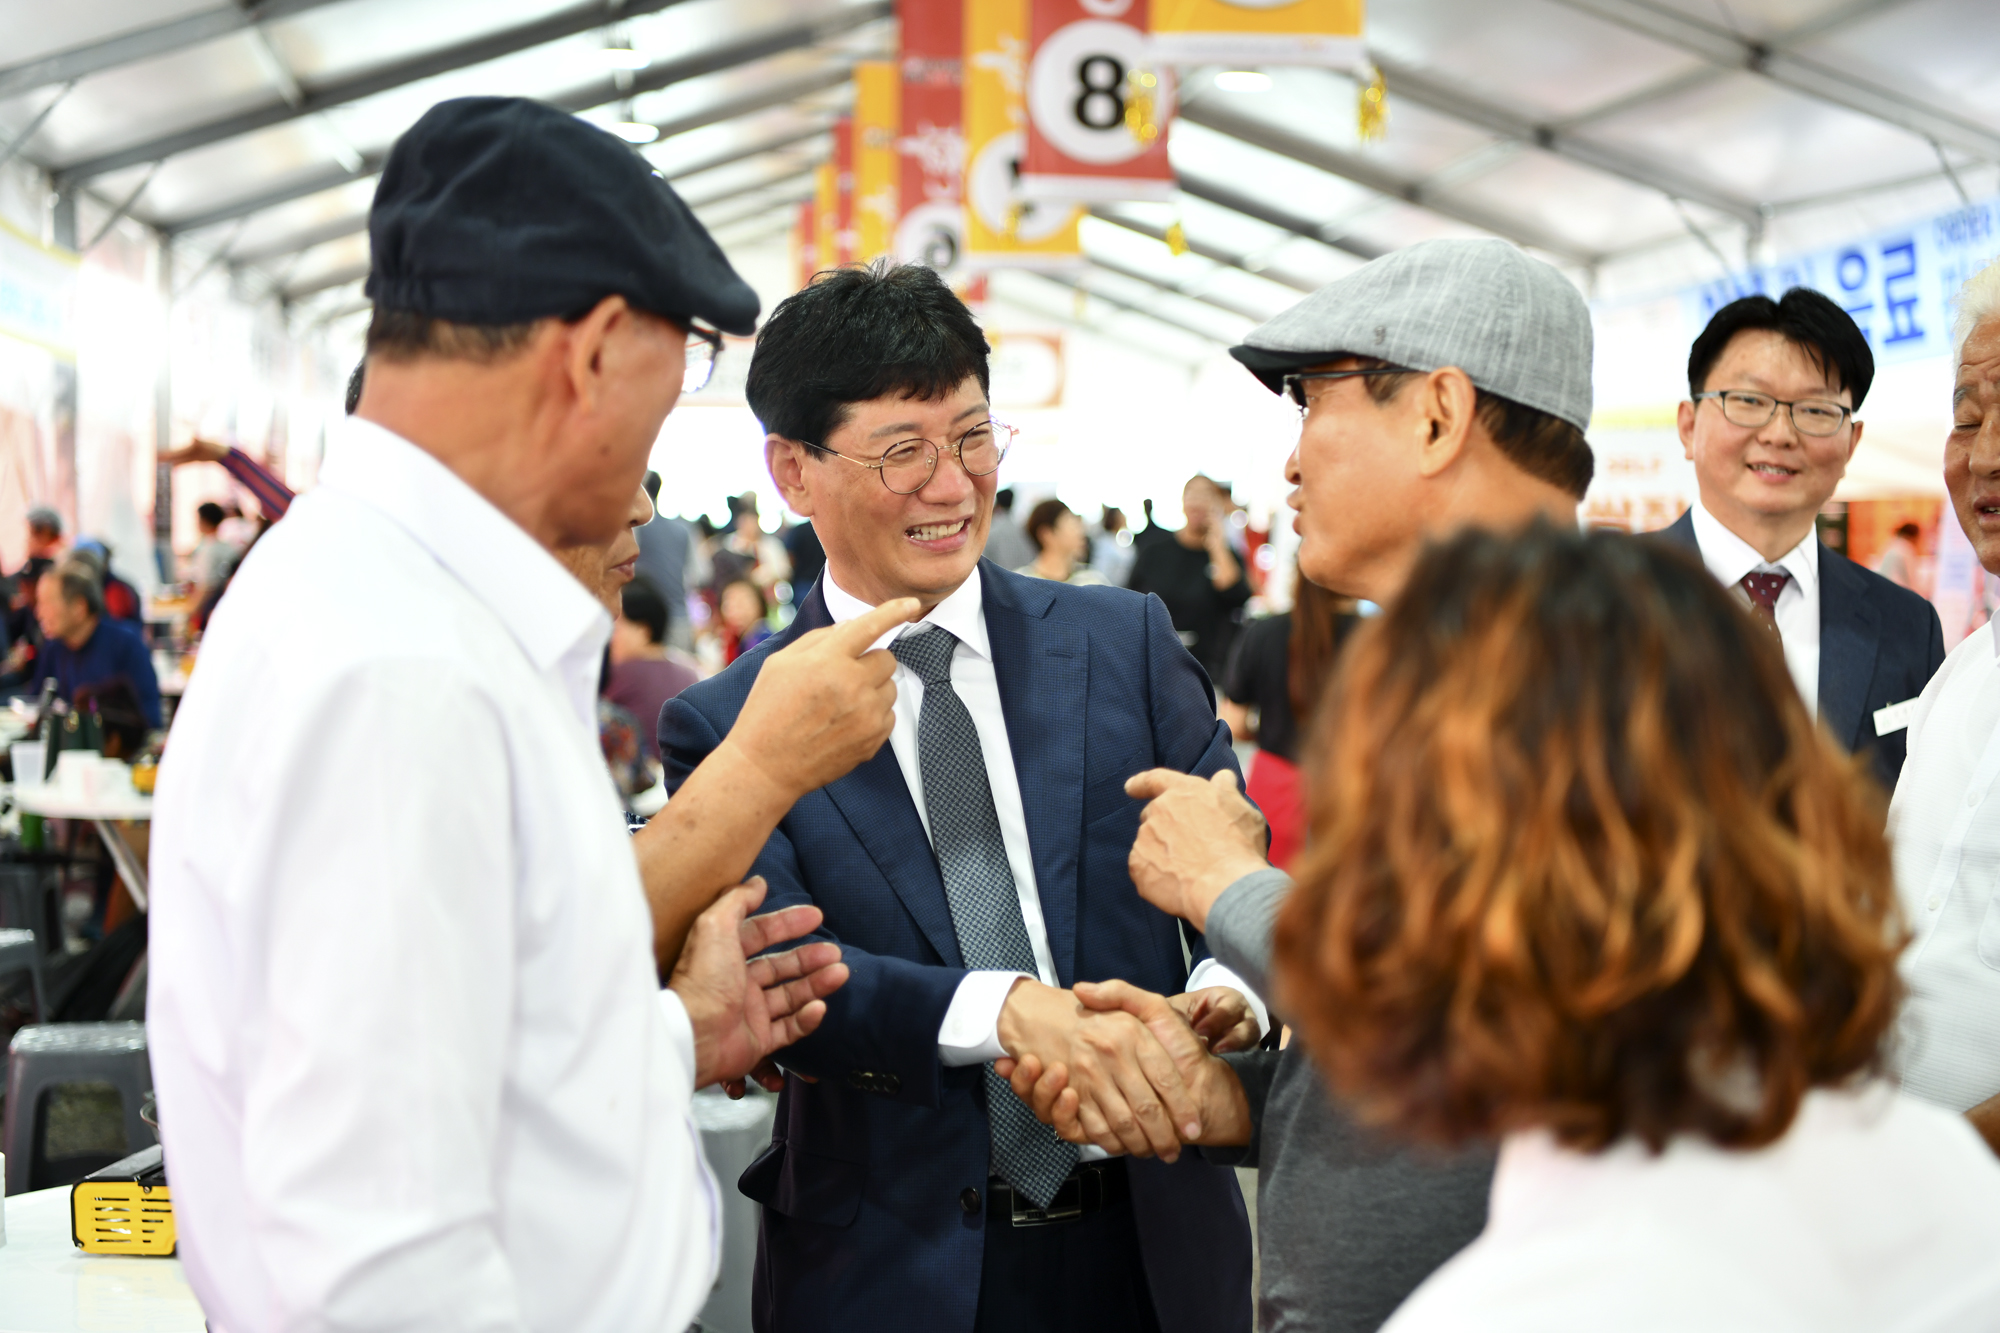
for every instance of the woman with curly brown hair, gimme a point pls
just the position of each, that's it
(1585, 878)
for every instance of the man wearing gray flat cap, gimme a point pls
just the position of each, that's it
(1443, 385)
(415, 1065)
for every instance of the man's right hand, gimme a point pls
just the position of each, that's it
(823, 704)
(1196, 838)
(1130, 1096)
(1046, 1087)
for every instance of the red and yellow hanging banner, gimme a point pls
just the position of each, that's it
(826, 216)
(1259, 32)
(877, 165)
(1097, 107)
(843, 187)
(930, 226)
(805, 242)
(1004, 228)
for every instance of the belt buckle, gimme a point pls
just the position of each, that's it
(1067, 1206)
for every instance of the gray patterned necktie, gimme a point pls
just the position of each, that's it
(979, 887)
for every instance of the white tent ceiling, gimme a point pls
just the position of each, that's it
(1640, 144)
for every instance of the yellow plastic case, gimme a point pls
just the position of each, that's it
(124, 1208)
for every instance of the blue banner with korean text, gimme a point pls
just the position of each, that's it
(1898, 284)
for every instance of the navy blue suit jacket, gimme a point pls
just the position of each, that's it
(1879, 644)
(863, 1224)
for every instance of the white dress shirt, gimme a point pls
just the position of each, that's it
(971, 1031)
(1874, 1212)
(1944, 829)
(1729, 558)
(415, 1067)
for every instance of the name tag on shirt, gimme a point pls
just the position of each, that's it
(1895, 717)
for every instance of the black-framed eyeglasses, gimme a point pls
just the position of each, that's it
(1751, 410)
(704, 347)
(1295, 385)
(907, 466)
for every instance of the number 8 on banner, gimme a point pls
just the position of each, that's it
(1082, 143)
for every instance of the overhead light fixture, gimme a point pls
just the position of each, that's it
(623, 57)
(1243, 81)
(635, 131)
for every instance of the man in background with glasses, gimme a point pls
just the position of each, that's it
(972, 871)
(1769, 424)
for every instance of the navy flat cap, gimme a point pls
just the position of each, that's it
(502, 210)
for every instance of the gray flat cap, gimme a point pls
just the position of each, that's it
(1514, 325)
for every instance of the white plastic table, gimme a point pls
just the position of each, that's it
(47, 1285)
(52, 802)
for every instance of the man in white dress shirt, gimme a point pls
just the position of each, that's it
(415, 1066)
(1942, 823)
(1769, 424)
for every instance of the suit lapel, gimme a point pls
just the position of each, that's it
(1681, 532)
(1848, 640)
(875, 801)
(1043, 669)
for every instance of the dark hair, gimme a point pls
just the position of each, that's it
(1803, 317)
(209, 512)
(405, 335)
(1909, 531)
(1043, 518)
(1581, 860)
(1321, 622)
(80, 583)
(857, 334)
(763, 602)
(1003, 499)
(356, 380)
(651, 482)
(1542, 445)
(642, 604)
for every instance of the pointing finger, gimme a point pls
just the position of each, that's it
(853, 637)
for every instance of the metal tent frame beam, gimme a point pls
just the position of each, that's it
(1454, 103)
(1214, 254)
(160, 39)
(342, 228)
(1800, 74)
(1271, 215)
(332, 178)
(1173, 289)
(479, 50)
(1359, 170)
(1131, 307)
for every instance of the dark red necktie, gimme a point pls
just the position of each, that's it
(1764, 590)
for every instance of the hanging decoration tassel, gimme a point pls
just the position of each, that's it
(1373, 110)
(1142, 89)
(1176, 238)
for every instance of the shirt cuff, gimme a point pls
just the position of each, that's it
(680, 1031)
(1208, 973)
(970, 1034)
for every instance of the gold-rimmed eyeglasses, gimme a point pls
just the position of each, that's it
(907, 466)
(703, 347)
(1752, 410)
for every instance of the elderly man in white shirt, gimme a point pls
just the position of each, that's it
(1943, 821)
(415, 1066)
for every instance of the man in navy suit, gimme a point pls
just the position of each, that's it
(1769, 424)
(971, 871)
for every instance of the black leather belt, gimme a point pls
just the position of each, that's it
(1091, 1187)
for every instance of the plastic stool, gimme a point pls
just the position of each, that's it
(20, 952)
(54, 1054)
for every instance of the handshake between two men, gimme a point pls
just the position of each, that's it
(1109, 1064)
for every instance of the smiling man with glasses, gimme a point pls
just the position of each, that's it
(972, 871)
(1769, 424)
